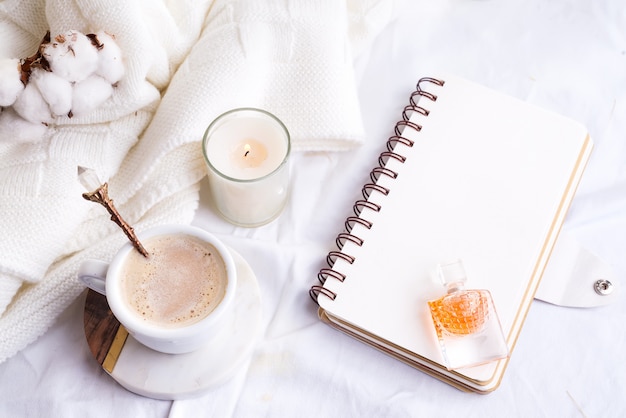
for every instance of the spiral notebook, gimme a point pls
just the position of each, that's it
(471, 174)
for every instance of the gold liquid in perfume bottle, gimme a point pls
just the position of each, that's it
(460, 313)
(466, 322)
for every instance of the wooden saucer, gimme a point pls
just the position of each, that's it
(176, 376)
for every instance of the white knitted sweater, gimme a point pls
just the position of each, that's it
(186, 62)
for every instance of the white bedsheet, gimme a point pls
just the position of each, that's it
(565, 55)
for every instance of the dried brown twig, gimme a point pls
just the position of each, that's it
(101, 195)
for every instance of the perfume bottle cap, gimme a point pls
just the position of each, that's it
(452, 275)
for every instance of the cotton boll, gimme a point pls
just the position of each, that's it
(15, 128)
(31, 105)
(56, 91)
(10, 83)
(71, 56)
(89, 94)
(110, 63)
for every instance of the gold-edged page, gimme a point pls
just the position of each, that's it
(428, 366)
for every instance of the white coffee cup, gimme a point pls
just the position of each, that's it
(189, 255)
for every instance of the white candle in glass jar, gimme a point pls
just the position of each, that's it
(246, 151)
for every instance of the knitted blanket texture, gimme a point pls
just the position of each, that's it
(185, 63)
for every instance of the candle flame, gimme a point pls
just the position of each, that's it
(246, 148)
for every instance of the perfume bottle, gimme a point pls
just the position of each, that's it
(466, 322)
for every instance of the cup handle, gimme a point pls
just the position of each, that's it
(93, 273)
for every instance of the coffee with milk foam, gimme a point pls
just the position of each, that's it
(181, 282)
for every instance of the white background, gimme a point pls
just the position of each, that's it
(565, 55)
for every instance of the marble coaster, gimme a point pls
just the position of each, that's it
(176, 376)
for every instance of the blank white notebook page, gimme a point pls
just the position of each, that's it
(488, 181)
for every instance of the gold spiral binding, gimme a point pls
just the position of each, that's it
(378, 171)
(406, 112)
(315, 291)
(397, 139)
(360, 204)
(386, 155)
(394, 143)
(369, 187)
(343, 237)
(406, 124)
(334, 255)
(326, 272)
(419, 91)
(351, 220)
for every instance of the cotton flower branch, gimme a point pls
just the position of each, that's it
(71, 74)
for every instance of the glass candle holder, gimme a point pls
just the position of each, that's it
(247, 151)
